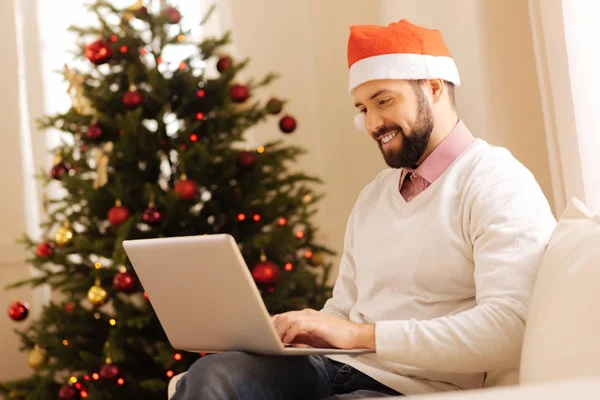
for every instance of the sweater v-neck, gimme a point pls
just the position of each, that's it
(408, 207)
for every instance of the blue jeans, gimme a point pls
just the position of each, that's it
(238, 375)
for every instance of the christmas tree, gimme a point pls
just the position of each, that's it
(155, 150)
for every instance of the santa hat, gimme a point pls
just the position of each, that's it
(400, 50)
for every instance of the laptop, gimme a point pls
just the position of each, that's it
(205, 297)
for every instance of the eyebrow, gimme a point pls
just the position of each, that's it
(377, 93)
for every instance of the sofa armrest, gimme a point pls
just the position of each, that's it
(580, 389)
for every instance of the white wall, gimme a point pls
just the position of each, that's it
(306, 43)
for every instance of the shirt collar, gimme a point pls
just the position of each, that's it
(453, 145)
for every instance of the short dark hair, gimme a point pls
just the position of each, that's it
(416, 83)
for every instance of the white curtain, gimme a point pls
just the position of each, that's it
(582, 33)
(565, 34)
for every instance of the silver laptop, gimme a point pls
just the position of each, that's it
(205, 298)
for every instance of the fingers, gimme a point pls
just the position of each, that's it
(292, 319)
(291, 333)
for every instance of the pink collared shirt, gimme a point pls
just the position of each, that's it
(457, 141)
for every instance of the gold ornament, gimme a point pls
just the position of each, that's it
(37, 357)
(64, 234)
(129, 14)
(102, 160)
(317, 259)
(75, 90)
(97, 295)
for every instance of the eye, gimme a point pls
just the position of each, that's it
(383, 102)
(363, 110)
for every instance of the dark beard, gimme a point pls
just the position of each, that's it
(413, 146)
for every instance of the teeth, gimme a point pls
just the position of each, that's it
(387, 138)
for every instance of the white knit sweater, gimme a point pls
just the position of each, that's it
(447, 277)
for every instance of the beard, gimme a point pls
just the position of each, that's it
(413, 146)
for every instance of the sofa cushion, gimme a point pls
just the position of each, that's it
(562, 336)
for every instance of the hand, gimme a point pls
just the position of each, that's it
(319, 329)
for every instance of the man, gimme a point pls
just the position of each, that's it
(440, 255)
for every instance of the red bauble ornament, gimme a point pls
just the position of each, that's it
(239, 93)
(93, 132)
(287, 124)
(265, 273)
(172, 14)
(98, 52)
(109, 371)
(118, 214)
(67, 392)
(58, 170)
(151, 215)
(18, 311)
(132, 99)
(186, 189)
(69, 307)
(44, 249)
(246, 159)
(223, 64)
(274, 106)
(124, 282)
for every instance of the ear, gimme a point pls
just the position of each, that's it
(435, 87)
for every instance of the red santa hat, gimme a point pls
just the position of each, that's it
(400, 50)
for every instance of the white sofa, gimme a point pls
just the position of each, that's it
(561, 348)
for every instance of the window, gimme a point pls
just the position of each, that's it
(56, 43)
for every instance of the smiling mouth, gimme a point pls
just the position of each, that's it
(383, 140)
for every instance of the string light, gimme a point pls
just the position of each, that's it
(182, 66)
(199, 116)
(120, 381)
(200, 93)
(84, 394)
(95, 376)
(65, 342)
(86, 377)
(158, 60)
(193, 137)
(260, 150)
(170, 374)
(202, 354)
(124, 49)
(300, 234)
(271, 289)
(306, 198)
(97, 265)
(97, 315)
(143, 51)
(114, 38)
(282, 221)
(256, 217)
(288, 267)
(112, 321)
(177, 356)
(241, 217)
(180, 38)
(308, 254)
(73, 379)
(78, 385)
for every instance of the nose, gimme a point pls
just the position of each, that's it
(373, 122)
